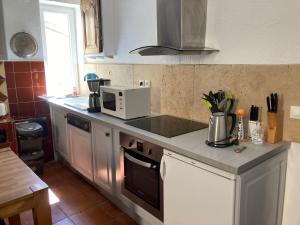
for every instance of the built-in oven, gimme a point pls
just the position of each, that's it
(141, 181)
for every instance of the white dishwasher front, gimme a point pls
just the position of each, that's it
(194, 195)
(80, 144)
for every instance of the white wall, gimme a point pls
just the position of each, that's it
(246, 32)
(22, 15)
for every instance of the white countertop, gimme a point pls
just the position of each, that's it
(192, 144)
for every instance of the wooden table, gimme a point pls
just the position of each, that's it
(20, 190)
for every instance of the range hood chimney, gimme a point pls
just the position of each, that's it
(181, 29)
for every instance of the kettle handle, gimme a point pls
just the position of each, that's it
(233, 116)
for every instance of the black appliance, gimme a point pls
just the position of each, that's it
(30, 137)
(167, 126)
(141, 181)
(94, 97)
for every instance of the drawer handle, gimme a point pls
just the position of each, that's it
(107, 134)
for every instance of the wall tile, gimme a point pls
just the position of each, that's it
(10, 80)
(9, 67)
(38, 91)
(177, 90)
(26, 109)
(212, 78)
(23, 80)
(41, 108)
(14, 110)
(21, 67)
(25, 94)
(154, 73)
(12, 95)
(121, 75)
(38, 79)
(37, 66)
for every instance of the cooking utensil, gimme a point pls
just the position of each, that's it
(208, 104)
(23, 45)
(222, 105)
(275, 102)
(240, 149)
(269, 104)
(272, 102)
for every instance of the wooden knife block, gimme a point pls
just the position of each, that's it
(275, 127)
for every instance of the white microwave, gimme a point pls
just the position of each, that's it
(125, 102)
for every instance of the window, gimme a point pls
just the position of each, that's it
(60, 29)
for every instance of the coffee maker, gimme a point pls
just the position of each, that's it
(94, 98)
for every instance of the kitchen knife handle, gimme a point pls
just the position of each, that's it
(268, 104)
(275, 102)
(272, 102)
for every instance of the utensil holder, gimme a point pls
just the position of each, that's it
(275, 127)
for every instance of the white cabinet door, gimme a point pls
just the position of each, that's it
(195, 196)
(81, 151)
(262, 193)
(102, 148)
(59, 124)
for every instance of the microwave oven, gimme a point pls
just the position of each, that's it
(125, 102)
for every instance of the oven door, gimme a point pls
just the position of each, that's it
(109, 101)
(141, 177)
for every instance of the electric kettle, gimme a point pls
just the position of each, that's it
(219, 132)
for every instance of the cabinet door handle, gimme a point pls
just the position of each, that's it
(107, 134)
(163, 168)
(65, 116)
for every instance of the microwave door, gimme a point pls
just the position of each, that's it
(109, 101)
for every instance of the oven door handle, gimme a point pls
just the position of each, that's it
(137, 161)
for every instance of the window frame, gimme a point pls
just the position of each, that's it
(73, 12)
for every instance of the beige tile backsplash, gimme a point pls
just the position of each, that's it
(177, 89)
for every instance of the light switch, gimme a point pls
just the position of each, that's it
(295, 112)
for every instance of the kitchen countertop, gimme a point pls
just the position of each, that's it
(192, 145)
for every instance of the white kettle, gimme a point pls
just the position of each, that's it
(3, 109)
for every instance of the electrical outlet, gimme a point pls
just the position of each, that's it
(142, 83)
(295, 112)
(147, 83)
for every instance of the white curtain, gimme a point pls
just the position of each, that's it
(291, 213)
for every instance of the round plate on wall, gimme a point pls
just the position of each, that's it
(23, 45)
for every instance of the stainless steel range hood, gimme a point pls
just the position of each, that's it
(181, 29)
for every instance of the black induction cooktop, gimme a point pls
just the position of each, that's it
(167, 126)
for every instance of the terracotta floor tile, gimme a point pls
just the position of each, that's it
(66, 191)
(79, 202)
(57, 214)
(75, 205)
(89, 191)
(92, 216)
(66, 221)
(111, 209)
(125, 220)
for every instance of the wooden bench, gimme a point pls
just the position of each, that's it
(20, 190)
